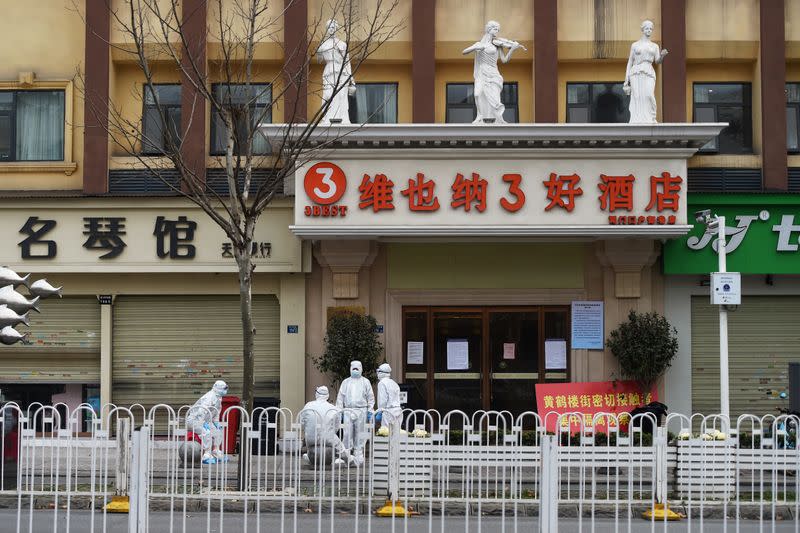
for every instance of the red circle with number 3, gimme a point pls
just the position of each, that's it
(325, 183)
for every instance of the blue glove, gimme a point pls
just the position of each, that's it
(206, 426)
(369, 416)
(216, 425)
(378, 417)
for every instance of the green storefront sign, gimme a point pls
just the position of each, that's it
(763, 235)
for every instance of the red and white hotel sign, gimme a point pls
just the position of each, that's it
(491, 197)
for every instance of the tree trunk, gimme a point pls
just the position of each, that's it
(248, 330)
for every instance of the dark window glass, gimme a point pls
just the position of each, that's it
(255, 101)
(32, 126)
(726, 102)
(793, 117)
(597, 103)
(374, 103)
(461, 103)
(165, 104)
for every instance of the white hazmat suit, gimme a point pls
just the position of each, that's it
(320, 421)
(203, 420)
(357, 398)
(388, 398)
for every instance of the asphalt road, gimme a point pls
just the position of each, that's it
(80, 521)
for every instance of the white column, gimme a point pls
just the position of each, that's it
(106, 327)
(293, 345)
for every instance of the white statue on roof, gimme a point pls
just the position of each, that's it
(640, 77)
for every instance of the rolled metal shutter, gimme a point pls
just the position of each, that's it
(763, 338)
(65, 344)
(171, 349)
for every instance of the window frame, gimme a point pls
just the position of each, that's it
(796, 107)
(747, 111)
(395, 85)
(65, 94)
(472, 106)
(166, 108)
(588, 105)
(213, 130)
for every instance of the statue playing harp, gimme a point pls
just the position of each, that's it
(488, 81)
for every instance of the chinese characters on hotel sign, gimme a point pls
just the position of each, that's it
(419, 194)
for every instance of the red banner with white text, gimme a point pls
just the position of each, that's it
(585, 400)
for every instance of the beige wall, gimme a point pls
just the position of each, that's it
(607, 33)
(46, 38)
(463, 23)
(611, 271)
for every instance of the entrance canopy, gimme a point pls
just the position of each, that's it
(515, 180)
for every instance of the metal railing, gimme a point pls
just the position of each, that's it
(487, 471)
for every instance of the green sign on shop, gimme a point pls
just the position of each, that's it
(763, 235)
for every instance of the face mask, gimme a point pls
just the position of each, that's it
(355, 373)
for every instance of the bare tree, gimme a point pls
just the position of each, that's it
(232, 83)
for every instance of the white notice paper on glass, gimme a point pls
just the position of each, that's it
(457, 354)
(555, 354)
(415, 351)
(509, 350)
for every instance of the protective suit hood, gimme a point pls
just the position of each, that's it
(384, 371)
(321, 393)
(356, 369)
(220, 388)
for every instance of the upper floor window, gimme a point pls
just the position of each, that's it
(32, 125)
(597, 102)
(793, 117)
(726, 102)
(256, 97)
(374, 103)
(161, 119)
(461, 103)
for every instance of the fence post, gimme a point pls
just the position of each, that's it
(123, 462)
(548, 498)
(137, 517)
(661, 464)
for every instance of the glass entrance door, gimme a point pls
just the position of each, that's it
(514, 352)
(481, 357)
(457, 355)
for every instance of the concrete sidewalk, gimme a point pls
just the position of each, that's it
(234, 522)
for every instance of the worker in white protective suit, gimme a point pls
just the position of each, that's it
(203, 420)
(391, 416)
(357, 399)
(389, 409)
(320, 421)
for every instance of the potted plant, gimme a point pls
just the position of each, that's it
(645, 346)
(350, 336)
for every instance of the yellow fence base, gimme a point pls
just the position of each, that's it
(393, 509)
(660, 511)
(118, 504)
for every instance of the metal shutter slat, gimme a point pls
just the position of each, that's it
(65, 344)
(763, 339)
(172, 349)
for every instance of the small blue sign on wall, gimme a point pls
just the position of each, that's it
(379, 328)
(292, 329)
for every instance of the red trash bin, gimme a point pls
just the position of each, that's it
(229, 435)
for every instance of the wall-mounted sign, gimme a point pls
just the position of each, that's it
(293, 329)
(762, 234)
(515, 195)
(587, 325)
(91, 235)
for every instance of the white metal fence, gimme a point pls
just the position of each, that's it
(486, 472)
